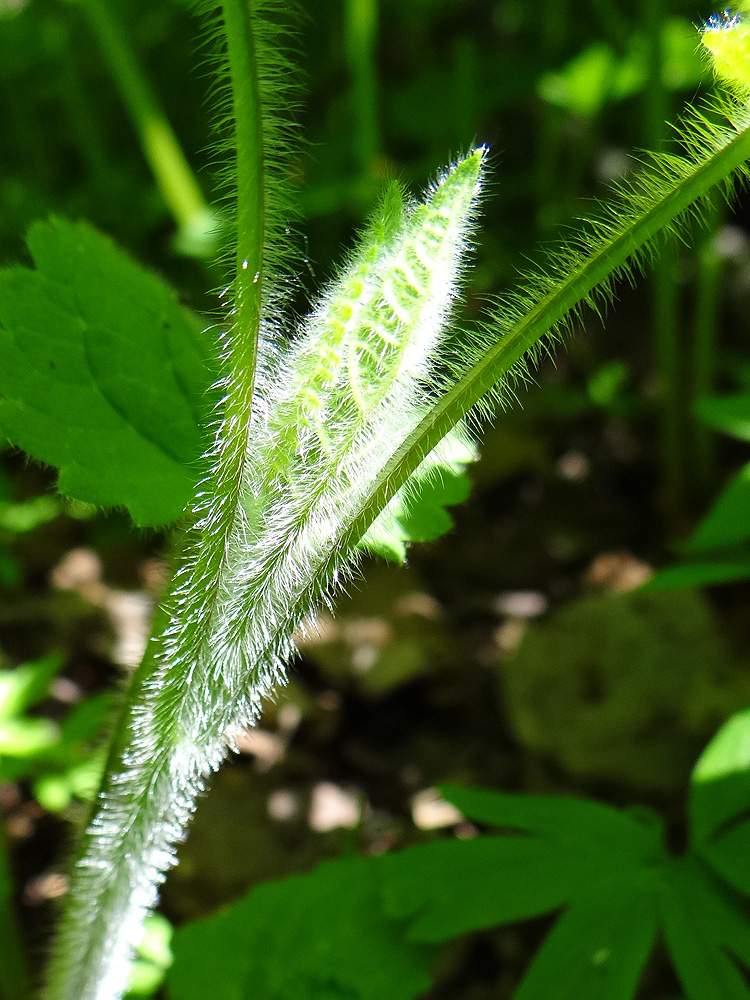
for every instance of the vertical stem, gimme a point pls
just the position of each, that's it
(170, 168)
(547, 166)
(14, 974)
(707, 292)
(172, 728)
(361, 33)
(241, 48)
(665, 299)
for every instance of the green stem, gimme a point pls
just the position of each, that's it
(250, 191)
(14, 974)
(705, 329)
(168, 163)
(169, 736)
(665, 287)
(361, 33)
(608, 257)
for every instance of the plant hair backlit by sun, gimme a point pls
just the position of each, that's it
(318, 435)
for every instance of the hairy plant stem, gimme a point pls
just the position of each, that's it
(159, 757)
(227, 622)
(594, 270)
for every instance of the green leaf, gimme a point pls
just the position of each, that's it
(452, 887)
(18, 518)
(703, 574)
(598, 947)
(154, 957)
(728, 521)
(23, 738)
(320, 936)
(578, 823)
(417, 512)
(720, 782)
(705, 930)
(728, 414)
(729, 855)
(720, 802)
(24, 686)
(566, 847)
(102, 374)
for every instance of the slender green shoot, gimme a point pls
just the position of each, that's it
(361, 34)
(705, 347)
(197, 223)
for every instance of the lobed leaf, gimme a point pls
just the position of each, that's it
(102, 374)
(320, 936)
(728, 521)
(560, 849)
(720, 802)
(706, 930)
(598, 947)
(567, 822)
(417, 513)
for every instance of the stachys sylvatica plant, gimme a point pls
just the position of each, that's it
(315, 438)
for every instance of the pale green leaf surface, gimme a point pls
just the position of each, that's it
(418, 512)
(720, 782)
(598, 947)
(23, 686)
(705, 930)
(102, 374)
(23, 738)
(320, 936)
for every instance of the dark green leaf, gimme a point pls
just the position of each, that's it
(102, 374)
(598, 947)
(705, 930)
(728, 521)
(578, 823)
(705, 574)
(729, 855)
(312, 937)
(729, 414)
(720, 782)
(452, 887)
(720, 802)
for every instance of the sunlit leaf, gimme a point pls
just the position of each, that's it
(311, 937)
(102, 374)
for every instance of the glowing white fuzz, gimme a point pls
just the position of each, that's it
(321, 432)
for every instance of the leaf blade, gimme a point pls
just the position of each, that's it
(598, 947)
(319, 936)
(102, 374)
